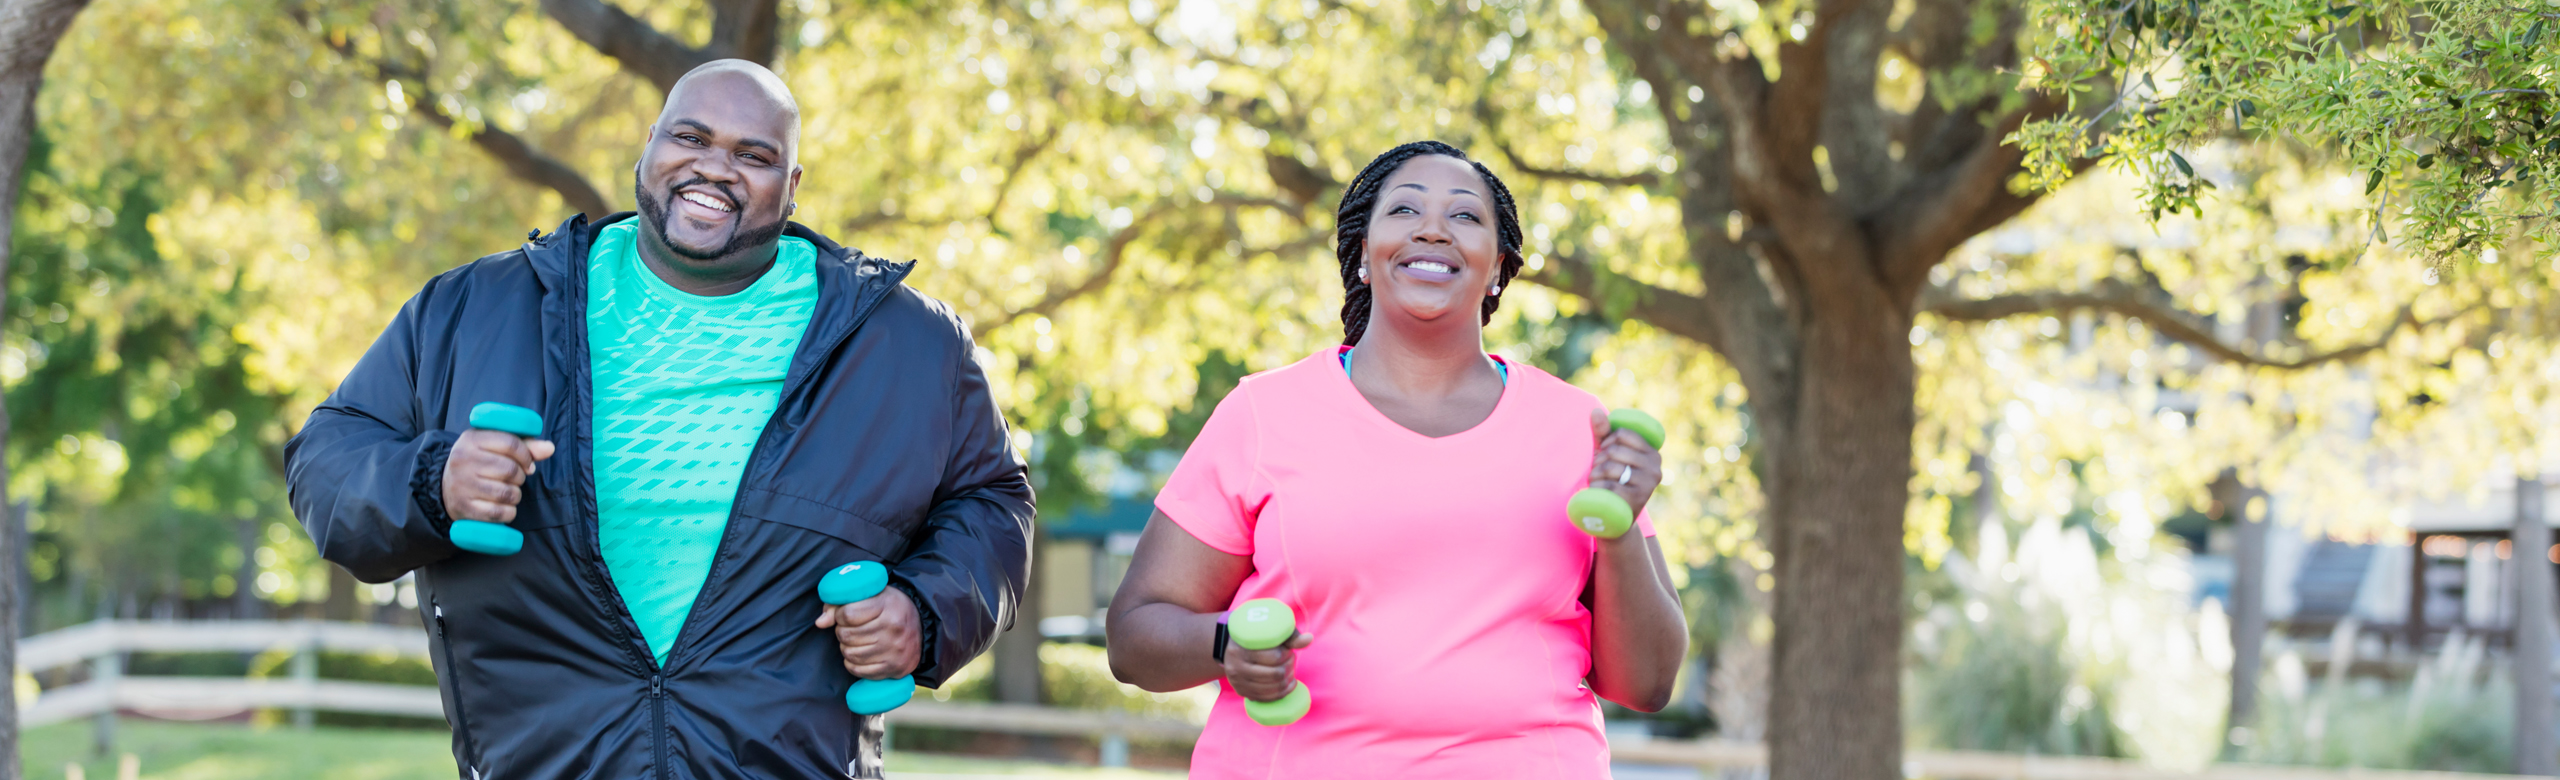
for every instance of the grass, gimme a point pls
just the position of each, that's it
(181, 751)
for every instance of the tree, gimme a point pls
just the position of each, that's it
(1742, 216)
(28, 32)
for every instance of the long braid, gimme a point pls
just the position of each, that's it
(1351, 225)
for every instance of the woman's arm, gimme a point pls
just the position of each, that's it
(1165, 616)
(1638, 636)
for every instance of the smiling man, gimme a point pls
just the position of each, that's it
(738, 405)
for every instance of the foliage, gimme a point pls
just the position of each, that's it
(2454, 715)
(2051, 649)
(2446, 106)
(1078, 676)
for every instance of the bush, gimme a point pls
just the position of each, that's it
(2057, 651)
(2451, 716)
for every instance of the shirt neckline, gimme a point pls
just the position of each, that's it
(1342, 379)
(785, 265)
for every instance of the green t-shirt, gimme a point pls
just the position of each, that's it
(683, 386)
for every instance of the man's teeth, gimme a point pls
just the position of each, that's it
(706, 201)
(1430, 265)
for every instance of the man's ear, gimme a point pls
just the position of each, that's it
(792, 190)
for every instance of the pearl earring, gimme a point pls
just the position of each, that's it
(1364, 274)
(1495, 290)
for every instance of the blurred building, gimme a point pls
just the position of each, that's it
(2455, 572)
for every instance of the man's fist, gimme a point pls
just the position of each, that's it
(880, 637)
(484, 476)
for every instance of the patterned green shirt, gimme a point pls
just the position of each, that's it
(683, 386)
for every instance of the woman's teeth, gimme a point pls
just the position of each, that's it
(1433, 266)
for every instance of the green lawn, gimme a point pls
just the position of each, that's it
(174, 751)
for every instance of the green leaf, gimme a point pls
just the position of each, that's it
(2341, 11)
(2533, 35)
(2374, 182)
(2248, 108)
(2183, 167)
(2426, 161)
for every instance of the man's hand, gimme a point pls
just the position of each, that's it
(484, 475)
(879, 636)
(1265, 675)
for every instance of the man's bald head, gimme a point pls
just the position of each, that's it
(715, 180)
(749, 88)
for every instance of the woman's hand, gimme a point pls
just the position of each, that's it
(1623, 463)
(1265, 675)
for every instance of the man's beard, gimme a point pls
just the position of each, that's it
(653, 214)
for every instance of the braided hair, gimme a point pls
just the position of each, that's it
(1351, 224)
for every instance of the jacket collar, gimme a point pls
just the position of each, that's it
(849, 282)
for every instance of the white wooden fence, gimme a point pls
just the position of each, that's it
(108, 690)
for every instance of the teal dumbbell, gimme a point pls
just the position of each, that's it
(845, 585)
(1262, 624)
(492, 538)
(1599, 512)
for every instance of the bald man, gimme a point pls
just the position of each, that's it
(732, 405)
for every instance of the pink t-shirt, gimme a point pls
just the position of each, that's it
(1439, 577)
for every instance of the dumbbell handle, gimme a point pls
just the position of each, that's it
(1262, 624)
(847, 584)
(483, 537)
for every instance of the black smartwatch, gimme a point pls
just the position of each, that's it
(1219, 651)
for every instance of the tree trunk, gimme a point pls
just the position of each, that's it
(341, 603)
(2537, 750)
(1842, 475)
(29, 29)
(244, 590)
(2248, 602)
(1017, 650)
(1740, 678)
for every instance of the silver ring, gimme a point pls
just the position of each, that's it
(1626, 474)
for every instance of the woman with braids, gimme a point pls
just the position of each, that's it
(1405, 494)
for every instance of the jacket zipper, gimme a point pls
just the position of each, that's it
(720, 557)
(461, 724)
(658, 723)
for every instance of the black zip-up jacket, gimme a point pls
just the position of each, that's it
(886, 446)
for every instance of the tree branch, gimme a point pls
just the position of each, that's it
(1022, 157)
(524, 161)
(2165, 318)
(1644, 179)
(520, 158)
(1115, 252)
(1943, 208)
(745, 29)
(639, 48)
(1678, 313)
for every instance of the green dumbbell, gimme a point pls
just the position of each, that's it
(1262, 624)
(1599, 512)
(488, 538)
(845, 585)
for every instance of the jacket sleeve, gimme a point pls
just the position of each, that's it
(968, 563)
(363, 476)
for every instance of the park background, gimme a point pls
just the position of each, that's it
(2159, 381)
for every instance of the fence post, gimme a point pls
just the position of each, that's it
(1115, 749)
(306, 675)
(107, 673)
(2536, 751)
